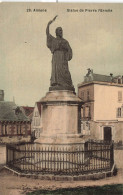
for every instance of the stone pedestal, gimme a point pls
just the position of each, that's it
(60, 117)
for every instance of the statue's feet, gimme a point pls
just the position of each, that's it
(60, 87)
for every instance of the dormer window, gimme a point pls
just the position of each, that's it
(119, 81)
(17, 111)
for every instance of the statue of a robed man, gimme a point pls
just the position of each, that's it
(62, 53)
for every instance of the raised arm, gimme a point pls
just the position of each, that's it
(47, 29)
(48, 25)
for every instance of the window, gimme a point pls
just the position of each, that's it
(82, 95)
(119, 81)
(81, 126)
(39, 121)
(87, 111)
(83, 111)
(17, 130)
(88, 126)
(120, 112)
(88, 95)
(20, 129)
(119, 95)
(5, 129)
(36, 113)
(1, 129)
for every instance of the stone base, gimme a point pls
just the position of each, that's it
(60, 116)
(61, 139)
(58, 87)
(93, 176)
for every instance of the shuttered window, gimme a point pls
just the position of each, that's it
(119, 95)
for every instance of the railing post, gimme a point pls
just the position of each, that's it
(111, 155)
(13, 156)
(7, 154)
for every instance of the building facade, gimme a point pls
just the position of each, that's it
(102, 112)
(15, 127)
(36, 121)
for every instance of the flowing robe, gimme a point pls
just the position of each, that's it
(62, 53)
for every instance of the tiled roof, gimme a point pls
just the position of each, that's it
(99, 77)
(28, 110)
(30, 116)
(8, 112)
(90, 76)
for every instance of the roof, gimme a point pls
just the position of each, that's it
(90, 76)
(99, 77)
(30, 116)
(9, 111)
(28, 110)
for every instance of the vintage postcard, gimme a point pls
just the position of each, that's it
(61, 98)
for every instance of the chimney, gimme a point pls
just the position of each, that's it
(1, 95)
(89, 71)
(111, 74)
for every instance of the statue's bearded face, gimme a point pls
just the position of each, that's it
(59, 32)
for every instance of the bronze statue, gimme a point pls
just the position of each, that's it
(62, 53)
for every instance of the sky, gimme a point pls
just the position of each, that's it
(25, 61)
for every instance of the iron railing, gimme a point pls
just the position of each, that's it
(65, 159)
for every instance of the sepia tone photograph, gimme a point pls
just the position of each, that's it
(61, 98)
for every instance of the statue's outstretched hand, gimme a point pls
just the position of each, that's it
(55, 18)
(51, 21)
